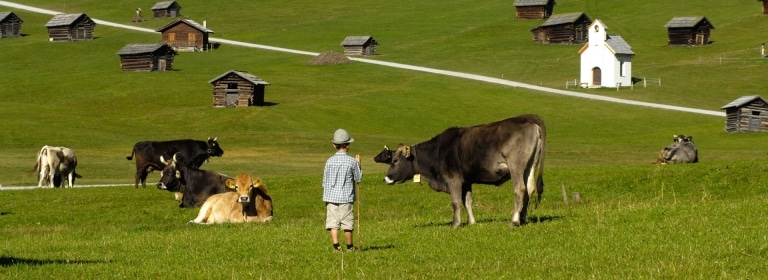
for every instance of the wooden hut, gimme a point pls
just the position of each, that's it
(570, 28)
(10, 25)
(746, 113)
(185, 35)
(70, 27)
(359, 45)
(166, 9)
(238, 89)
(765, 6)
(146, 57)
(534, 9)
(688, 31)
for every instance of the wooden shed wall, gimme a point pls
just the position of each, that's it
(172, 11)
(146, 62)
(77, 32)
(534, 12)
(562, 34)
(687, 36)
(750, 117)
(248, 94)
(10, 28)
(360, 50)
(185, 38)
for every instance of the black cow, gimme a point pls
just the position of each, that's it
(385, 156)
(485, 154)
(148, 154)
(195, 185)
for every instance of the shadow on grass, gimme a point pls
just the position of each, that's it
(6, 261)
(531, 220)
(376, 247)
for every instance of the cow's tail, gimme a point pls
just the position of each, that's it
(540, 146)
(39, 157)
(133, 152)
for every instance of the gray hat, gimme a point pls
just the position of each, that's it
(342, 137)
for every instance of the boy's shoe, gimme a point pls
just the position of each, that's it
(338, 249)
(352, 249)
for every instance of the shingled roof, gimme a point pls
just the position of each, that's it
(519, 3)
(742, 101)
(682, 22)
(64, 20)
(564, 18)
(618, 45)
(4, 15)
(355, 40)
(190, 22)
(162, 5)
(245, 75)
(140, 48)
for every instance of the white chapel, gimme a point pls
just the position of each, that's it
(606, 60)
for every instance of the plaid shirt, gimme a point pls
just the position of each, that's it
(341, 173)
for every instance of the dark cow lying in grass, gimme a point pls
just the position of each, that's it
(250, 202)
(485, 154)
(194, 184)
(683, 150)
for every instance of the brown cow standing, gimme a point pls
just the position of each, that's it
(484, 154)
(249, 203)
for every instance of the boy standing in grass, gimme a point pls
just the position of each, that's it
(341, 174)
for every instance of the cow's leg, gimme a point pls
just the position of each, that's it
(521, 199)
(466, 195)
(456, 199)
(42, 176)
(203, 216)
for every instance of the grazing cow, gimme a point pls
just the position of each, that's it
(485, 154)
(195, 185)
(148, 154)
(385, 156)
(682, 150)
(54, 163)
(250, 202)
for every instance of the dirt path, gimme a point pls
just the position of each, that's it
(410, 67)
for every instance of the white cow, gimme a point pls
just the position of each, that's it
(53, 163)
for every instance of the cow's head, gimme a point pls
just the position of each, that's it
(401, 165)
(243, 184)
(171, 178)
(682, 138)
(253, 191)
(214, 149)
(385, 156)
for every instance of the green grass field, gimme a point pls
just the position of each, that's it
(635, 220)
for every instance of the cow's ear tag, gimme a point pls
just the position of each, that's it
(417, 178)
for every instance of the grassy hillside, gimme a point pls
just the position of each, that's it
(74, 94)
(635, 220)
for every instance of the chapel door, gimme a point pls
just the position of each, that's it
(596, 76)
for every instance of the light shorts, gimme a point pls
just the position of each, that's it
(339, 216)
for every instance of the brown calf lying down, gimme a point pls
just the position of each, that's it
(250, 202)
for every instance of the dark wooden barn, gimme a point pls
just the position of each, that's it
(359, 45)
(765, 6)
(238, 89)
(570, 28)
(146, 57)
(534, 9)
(70, 27)
(10, 25)
(185, 35)
(166, 9)
(688, 31)
(747, 113)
